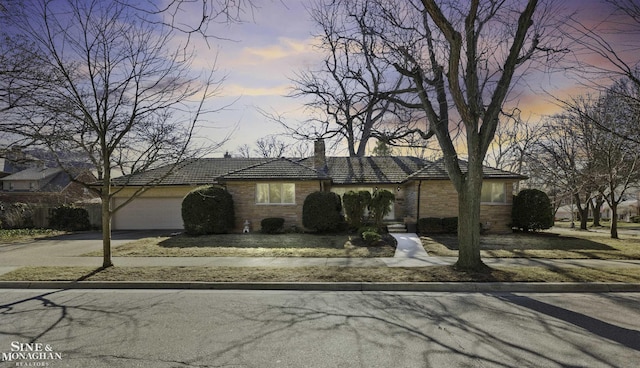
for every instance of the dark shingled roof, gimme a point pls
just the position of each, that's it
(436, 171)
(193, 172)
(340, 170)
(279, 168)
(371, 170)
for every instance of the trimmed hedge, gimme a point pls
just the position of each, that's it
(272, 225)
(437, 225)
(450, 225)
(208, 210)
(69, 218)
(321, 212)
(430, 225)
(531, 210)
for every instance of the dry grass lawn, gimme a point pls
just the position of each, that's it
(556, 243)
(255, 245)
(321, 274)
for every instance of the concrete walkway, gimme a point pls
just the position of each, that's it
(68, 250)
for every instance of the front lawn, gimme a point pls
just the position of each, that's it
(323, 274)
(555, 243)
(255, 245)
(24, 235)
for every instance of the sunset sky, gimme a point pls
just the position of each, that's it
(260, 55)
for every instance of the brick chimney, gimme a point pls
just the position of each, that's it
(319, 158)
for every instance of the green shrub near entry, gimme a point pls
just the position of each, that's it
(272, 225)
(367, 229)
(380, 205)
(531, 210)
(635, 219)
(321, 212)
(355, 203)
(208, 210)
(371, 237)
(430, 225)
(69, 218)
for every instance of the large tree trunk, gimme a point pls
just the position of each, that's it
(596, 211)
(105, 196)
(469, 220)
(469, 232)
(106, 231)
(614, 220)
(582, 212)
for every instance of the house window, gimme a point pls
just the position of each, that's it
(276, 193)
(493, 192)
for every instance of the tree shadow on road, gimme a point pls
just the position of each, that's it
(624, 336)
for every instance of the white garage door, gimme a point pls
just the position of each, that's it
(149, 214)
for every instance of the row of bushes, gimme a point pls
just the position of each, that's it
(65, 217)
(209, 210)
(438, 225)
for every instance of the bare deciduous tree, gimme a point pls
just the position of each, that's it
(561, 162)
(461, 60)
(512, 145)
(112, 89)
(616, 159)
(347, 94)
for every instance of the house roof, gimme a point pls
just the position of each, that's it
(370, 170)
(436, 171)
(279, 168)
(340, 170)
(193, 172)
(33, 173)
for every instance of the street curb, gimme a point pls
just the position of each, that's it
(566, 287)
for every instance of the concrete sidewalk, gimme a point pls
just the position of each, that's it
(68, 250)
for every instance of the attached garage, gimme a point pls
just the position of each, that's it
(149, 213)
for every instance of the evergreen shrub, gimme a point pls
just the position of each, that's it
(208, 210)
(321, 212)
(430, 225)
(355, 203)
(531, 210)
(380, 205)
(272, 225)
(371, 237)
(450, 225)
(69, 218)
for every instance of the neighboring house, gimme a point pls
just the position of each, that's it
(277, 187)
(46, 185)
(625, 210)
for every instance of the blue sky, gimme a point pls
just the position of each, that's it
(260, 55)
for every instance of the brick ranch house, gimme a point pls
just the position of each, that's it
(277, 187)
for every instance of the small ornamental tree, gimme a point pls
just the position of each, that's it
(380, 205)
(532, 210)
(208, 210)
(321, 212)
(354, 206)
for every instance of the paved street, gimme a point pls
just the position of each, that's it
(168, 328)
